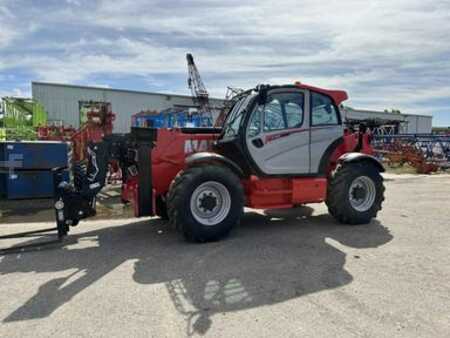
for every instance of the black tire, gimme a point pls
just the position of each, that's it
(161, 208)
(179, 202)
(338, 196)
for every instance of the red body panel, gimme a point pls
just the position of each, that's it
(271, 193)
(350, 144)
(309, 190)
(168, 157)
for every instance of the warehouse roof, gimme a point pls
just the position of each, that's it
(389, 114)
(113, 89)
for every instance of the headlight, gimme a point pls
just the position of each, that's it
(59, 205)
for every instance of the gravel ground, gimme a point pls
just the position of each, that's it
(281, 273)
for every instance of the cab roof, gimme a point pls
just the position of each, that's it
(338, 96)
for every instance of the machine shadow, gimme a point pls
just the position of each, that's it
(271, 258)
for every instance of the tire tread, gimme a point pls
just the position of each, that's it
(176, 197)
(337, 193)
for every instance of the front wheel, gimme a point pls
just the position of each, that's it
(205, 202)
(355, 193)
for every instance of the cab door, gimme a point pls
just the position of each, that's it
(326, 127)
(277, 133)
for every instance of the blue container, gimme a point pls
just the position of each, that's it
(171, 119)
(35, 155)
(29, 184)
(155, 121)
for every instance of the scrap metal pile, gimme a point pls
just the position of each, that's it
(427, 153)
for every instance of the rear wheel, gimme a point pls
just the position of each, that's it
(355, 193)
(205, 202)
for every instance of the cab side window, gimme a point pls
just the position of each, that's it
(323, 111)
(254, 127)
(273, 115)
(283, 111)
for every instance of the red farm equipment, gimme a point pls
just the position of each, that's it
(56, 133)
(427, 153)
(279, 147)
(98, 124)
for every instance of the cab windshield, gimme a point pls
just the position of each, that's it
(234, 118)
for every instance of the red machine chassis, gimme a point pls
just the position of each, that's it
(173, 146)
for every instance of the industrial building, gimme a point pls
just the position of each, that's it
(64, 103)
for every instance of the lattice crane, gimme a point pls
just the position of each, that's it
(198, 90)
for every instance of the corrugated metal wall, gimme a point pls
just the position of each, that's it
(418, 124)
(62, 102)
(410, 124)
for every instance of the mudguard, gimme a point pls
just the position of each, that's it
(361, 157)
(209, 157)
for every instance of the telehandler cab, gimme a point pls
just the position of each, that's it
(279, 147)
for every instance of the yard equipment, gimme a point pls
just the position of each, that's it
(19, 118)
(171, 118)
(54, 132)
(199, 93)
(97, 123)
(427, 153)
(279, 147)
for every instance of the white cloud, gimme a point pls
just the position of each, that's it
(74, 2)
(386, 54)
(7, 31)
(16, 92)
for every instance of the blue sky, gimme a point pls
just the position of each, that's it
(386, 54)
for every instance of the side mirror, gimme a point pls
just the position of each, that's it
(262, 94)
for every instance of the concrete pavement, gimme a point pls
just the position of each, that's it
(281, 273)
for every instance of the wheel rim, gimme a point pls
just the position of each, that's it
(210, 203)
(362, 193)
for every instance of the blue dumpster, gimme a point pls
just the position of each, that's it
(28, 184)
(35, 154)
(31, 175)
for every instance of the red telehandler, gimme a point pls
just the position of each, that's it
(279, 147)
